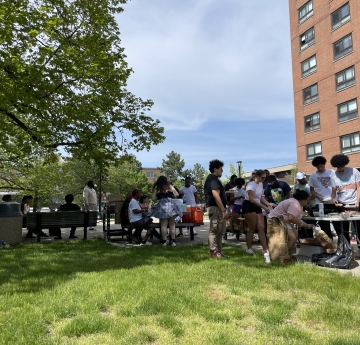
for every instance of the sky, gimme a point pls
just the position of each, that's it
(219, 73)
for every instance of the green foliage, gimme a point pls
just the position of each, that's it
(172, 167)
(55, 177)
(40, 177)
(293, 172)
(199, 175)
(234, 170)
(63, 82)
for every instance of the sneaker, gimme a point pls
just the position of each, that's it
(173, 243)
(214, 255)
(164, 244)
(187, 233)
(91, 228)
(195, 233)
(250, 251)
(222, 255)
(256, 238)
(73, 236)
(147, 243)
(179, 235)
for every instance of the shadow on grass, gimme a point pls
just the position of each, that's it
(36, 263)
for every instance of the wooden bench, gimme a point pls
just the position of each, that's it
(180, 226)
(39, 221)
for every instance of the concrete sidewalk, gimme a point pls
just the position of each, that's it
(200, 238)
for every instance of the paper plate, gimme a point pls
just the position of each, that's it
(327, 199)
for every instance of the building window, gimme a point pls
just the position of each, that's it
(343, 47)
(310, 94)
(350, 143)
(150, 174)
(347, 110)
(305, 11)
(340, 16)
(307, 39)
(345, 78)
(312, 122)
(308, 66)
(313, 150)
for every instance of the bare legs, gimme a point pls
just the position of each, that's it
(255, 221)
(164, 223)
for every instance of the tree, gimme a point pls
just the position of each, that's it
(172, 167)
(41, 178)
(293, 171)
(199, 175)
(63, 77)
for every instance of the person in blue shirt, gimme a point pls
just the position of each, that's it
(276, 191)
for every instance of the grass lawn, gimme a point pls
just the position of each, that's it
(89, 292)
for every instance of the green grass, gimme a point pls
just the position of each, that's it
(89, 292)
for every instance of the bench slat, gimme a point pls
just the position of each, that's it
(61, 219)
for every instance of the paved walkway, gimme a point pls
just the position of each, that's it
(201, 238)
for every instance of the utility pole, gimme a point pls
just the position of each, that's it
(239, 166)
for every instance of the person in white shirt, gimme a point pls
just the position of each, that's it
(252, 210)
(345, 181)
(320, 181)
(239, 195)
(137, 220)
(190, 197)
(90, 199)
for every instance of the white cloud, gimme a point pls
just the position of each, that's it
(199, 59)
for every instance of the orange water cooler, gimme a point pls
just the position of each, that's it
(197, 214)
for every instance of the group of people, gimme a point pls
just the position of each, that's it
(265, 197)
(136, 211)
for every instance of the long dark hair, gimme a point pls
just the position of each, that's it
(162, 184)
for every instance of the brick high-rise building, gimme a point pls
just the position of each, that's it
(325, 46)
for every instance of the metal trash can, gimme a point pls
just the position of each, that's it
(10, 222)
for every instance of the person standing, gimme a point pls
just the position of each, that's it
(345, 182)
(190, 196)
(90, 199)
(276, 191)
(239, 194)
(303, 185)
(252, 211)
(265, 183)
(320, 181)
(229, 186)
(216, 203)
(166, 209)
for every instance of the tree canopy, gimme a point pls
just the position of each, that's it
(172, 166)
(63, 81)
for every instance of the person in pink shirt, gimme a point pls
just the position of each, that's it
(292, 211)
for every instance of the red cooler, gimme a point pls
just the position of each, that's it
(197, 214)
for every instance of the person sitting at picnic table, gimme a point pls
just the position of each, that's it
(166, 209)
(144, 203)
(139, 221)
(291, 211)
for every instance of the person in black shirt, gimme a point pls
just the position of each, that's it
(69, 206)
(216, 207)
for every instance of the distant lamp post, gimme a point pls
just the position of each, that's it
(239, 166)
